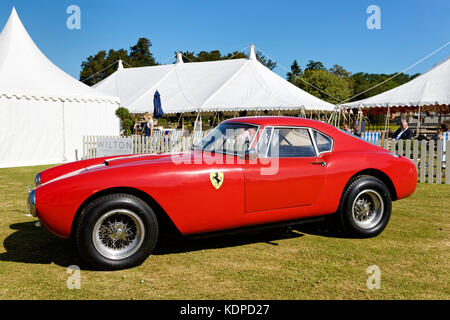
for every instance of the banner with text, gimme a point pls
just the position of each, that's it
(113, 146)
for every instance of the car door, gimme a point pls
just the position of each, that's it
(288, 173)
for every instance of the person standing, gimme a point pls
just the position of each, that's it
(148, 127)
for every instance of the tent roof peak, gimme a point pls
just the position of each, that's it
(252, 54)
(119, 65)
(179, 58)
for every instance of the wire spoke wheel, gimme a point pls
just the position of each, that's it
(367, 209)
(118, 234)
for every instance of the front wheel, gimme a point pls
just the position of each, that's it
(116, 231)
(366, 207)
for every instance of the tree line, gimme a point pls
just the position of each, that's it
(334, 85)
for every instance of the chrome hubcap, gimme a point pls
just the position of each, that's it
(118, 234)
(367, 209)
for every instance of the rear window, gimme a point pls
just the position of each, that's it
(324, 143)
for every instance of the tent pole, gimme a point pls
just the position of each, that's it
(196, 120)
(179, 118)
(64, 132)
(360, 113)
(385, 125)
(418, 124)
(339, 118)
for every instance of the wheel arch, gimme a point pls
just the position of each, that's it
(162, 216)
(377, 174)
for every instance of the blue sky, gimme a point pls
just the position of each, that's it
(333, 32)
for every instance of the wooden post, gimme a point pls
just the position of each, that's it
(393, 146)
(416, 154)
(408, 149)
(423, 160)
(418, 124)
(400, 148)
(431, 161)
(386, 144)
(447, 162)
(439, 162)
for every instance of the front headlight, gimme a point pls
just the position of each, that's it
(32, 202)
(37, 179)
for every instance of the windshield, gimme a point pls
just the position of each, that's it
(351, 134)
(229, 137)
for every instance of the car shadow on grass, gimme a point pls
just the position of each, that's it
(173, 242)
(326, 229)
(31, 244)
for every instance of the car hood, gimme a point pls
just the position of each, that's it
(72, 168)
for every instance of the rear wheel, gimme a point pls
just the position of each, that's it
(366, 207)
(116, 231)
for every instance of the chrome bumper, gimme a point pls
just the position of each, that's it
(31, 202)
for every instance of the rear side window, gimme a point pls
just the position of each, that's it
(291, 143)
(324, 143)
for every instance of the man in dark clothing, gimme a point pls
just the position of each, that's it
(403, 133)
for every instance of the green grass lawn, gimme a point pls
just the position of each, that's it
(413, 255)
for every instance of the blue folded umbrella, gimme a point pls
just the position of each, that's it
(157, 111)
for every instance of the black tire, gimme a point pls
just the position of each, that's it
(362, 195)
(140, 222)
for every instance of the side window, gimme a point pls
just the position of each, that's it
(324, 143)
(263, 142)
(291, 143)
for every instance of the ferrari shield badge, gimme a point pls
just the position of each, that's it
(216, 179)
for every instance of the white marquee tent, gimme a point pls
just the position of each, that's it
(432, 88)
(227, 85)
(44, 111)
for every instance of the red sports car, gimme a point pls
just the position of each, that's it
(247, 172)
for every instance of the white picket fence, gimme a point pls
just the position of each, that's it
(428, 156)
(158, 143)
(372, 137)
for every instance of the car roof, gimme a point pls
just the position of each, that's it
(342, 141)
(283, 121)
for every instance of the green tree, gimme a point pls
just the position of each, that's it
(99, 66)
(215, 55)
(125, 119)
(379, 82)
(325, 85)
(340, 71)
(296, 71)
(315, 65)
(266, 61)
(91, 68)
(140, 54)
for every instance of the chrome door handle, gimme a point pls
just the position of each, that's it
(322, 163)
